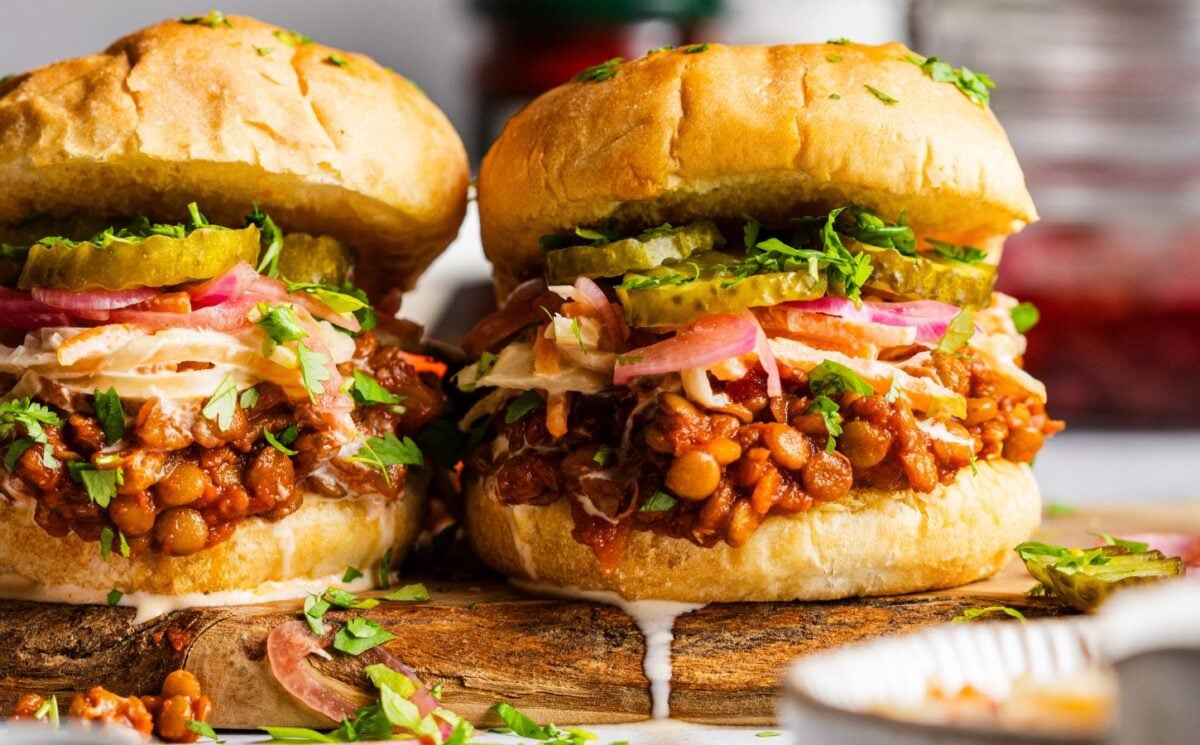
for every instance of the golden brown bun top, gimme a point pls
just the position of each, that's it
(228, 116)
(731, 130)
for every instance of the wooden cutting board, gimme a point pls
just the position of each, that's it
(557, 660)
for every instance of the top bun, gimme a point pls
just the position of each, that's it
(675, 136)
(228, 115)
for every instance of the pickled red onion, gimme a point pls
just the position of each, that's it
(709, 340)
(91, 301)
(766, 357)
(591, 293)
(929, 317)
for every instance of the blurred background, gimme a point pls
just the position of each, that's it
(1101, 99)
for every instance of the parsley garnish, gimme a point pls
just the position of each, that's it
(974, 614)
(961, 254)
(271, 240)
(599, 73)
(659, 501)
(958, 333)
(881, 95)
(30, 415)
(263, 51)
(315, 607)
(48, 711)
(974, 85)
(351, 574)
(1136, 547)
(873, 230)
(522, 405)
(831, 57)
(830, 414)
(381, 453)
(829, 378)
(110, 414)
(292, 38)
(836, 96)
(842, 40)
(344, 299)
(383, 571)
(203, 729)
(314, 370)
(114, 596)
(696, 48)
(222, 404)
(662, 280)
(214, 19)
(280, 325)
(368, 391)
(337, 60)
(1025, 316)
(106, 543)
(360, 634)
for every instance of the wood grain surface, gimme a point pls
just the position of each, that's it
(557, 660)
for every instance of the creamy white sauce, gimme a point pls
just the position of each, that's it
(939, 431)
(655, 619)
(150, 605)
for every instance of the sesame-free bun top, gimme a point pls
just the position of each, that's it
(325, 141)
(769, 131)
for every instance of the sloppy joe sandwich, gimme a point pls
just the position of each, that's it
(750, 347)
(197, 394)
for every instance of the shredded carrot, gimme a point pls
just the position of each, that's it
(545, 355)
(424, 363)
(847, 335)
(556, 414)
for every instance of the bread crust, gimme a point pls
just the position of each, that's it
(320, 539)
(177, 112)
(675, 137)
(869, 543)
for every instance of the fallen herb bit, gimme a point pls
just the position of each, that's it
(974, 614)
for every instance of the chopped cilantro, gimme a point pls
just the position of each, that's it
(351, 574)
(831, 57)
(16, 449)
(292, 38)
(696, 48)
(974, 85)
(603, 455)
(280, 325)
(106, 543)
(974, 614)
(263, 51)
(337, 60)
(881, 95)
(110, 414)
(831, 377)
(381, 453)
(659, 501)
(271, 240)
(274, 442)
(203, 729)
(1025, 316)
(368, 391)
(601, 72)
(114, 596)
(249, 398)
(100, 485)
(48, 711)
(314, 370)
(30, 415)
(842, 40)
(222, 404)
(958, 333)
(522, 405)
(315, 607)
(214, 19)
(383, 571)
(828, 409)
(360, 634)
(414, 593)
(836, 96)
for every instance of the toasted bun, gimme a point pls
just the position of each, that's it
(177, 113)
(320, 539)
(731, 130)
(870, 543)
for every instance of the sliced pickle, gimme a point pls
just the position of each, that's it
(648, 250)
(1086, 582)
(156, 261)
(676, 302)
(964, 285)
(321, 259)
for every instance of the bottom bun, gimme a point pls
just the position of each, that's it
(870, 543)
(262, 560)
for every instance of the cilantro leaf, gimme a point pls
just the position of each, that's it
(280, 324)
(696, 48)
(270, 238)
(659, 501)
(249, 398)
(203, 729)
(274, 442)
(315, 608)
(314, 370)
(1136, 547)
(100, 485)
(381, 453)
(360, 634)
(1025, 316)
(522, 405)
(974, 614)
(292, 38)
(830, 413)
(368, 391)
(30, 415)
(881, 95)
(829, 378)
(114, 596)
(351, 574)
(958, 333)
(521, 725)
(110, 414)
(413, 593)
(599, 73)
(214, 19)
(337, 60)
(15, 450)
(974, 85)
(222, 404)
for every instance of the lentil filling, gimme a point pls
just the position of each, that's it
(186, 483)
(650, 459)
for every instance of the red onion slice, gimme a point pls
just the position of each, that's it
(929, 317)
(592, 295)
(707, 341)
(91, 301)
(219, 289)
(287, 646)
(228, 316)
(766, 357)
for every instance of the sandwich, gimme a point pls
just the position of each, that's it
(750, 347)
(198, 398)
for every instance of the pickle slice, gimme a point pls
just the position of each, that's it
(648, 250)
(156, 261)
(1085, 579)
(964, 285)
(320, 259)
(674, 299)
